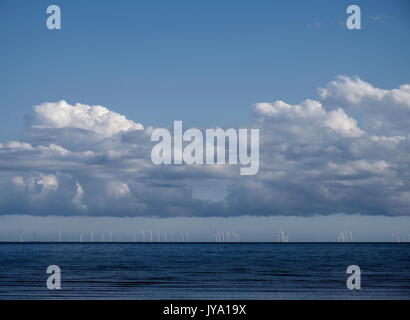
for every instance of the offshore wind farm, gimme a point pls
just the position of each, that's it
(149, 236)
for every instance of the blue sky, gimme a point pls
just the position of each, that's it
(204, 62)
(332, 105)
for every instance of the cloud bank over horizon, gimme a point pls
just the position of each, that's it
(345, 152)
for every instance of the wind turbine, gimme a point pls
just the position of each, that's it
(342, 236)
(348, 236)
(20, 236)
(281, 236)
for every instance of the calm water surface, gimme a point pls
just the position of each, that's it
(204, 270)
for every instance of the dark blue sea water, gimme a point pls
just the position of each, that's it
(204, 270)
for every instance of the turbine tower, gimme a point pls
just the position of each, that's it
(282, 236)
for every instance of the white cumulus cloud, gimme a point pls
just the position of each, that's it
(345, 151)
(94, 118)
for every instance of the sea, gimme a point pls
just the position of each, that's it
(151, 271)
